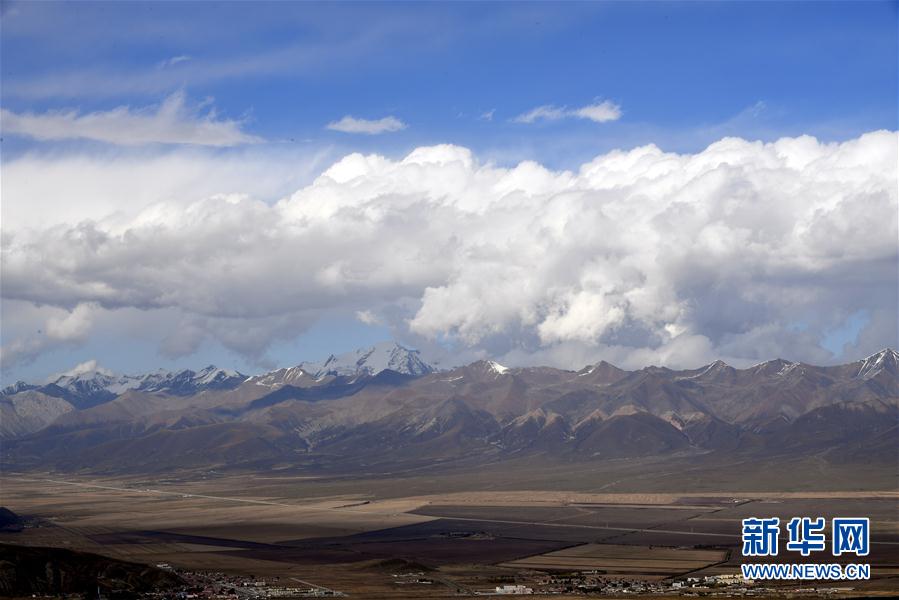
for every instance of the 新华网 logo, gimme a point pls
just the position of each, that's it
(806, 536)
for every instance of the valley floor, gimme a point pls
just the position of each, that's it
(427, 535)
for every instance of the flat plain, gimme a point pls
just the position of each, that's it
(350, 536)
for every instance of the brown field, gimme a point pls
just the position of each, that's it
(616, 559)
(339, 533)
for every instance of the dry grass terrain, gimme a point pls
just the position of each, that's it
(623, 560)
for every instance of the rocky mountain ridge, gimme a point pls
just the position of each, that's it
(345, 410)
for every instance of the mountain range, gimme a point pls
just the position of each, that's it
(386, 405)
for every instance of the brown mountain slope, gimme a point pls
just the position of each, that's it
(481, 410)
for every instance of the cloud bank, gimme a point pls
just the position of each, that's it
(61, 328)
(598, 113)
(350, 124)
(88, 366)
(743, 251)
(172, 122)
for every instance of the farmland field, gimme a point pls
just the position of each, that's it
(619, 559)
(343, 535)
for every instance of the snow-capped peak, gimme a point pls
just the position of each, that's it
(497, 368)
(710, 369)
(371, 361)
(187, 381)
(778, 366)
(887, 359)
(290, 375)
(716, 367)
(15, 388)
(789, 366)
(103, 384)
(95, 380)
(212, 374)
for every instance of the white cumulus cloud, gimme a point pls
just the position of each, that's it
(744, 251)
(62, 328)
(368, 317)
(171, 122)
(350, 124)
(74, 326)
(83, 368)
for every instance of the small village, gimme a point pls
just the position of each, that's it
(214, 585)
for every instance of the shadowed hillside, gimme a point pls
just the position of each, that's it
(480, 412)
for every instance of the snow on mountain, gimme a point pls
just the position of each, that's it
(777, 366)
(88, 388)
(716, 371)
(483, 370)
(92, 387)
(153, 380)
(15, 388)
(371, 361)
(213, 375)
(287, 376)
(602, 373)
(497, 368)
(187, 381)
(885, 360)
(714, 368)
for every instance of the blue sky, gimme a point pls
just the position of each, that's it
(684, 73)
(271, 77)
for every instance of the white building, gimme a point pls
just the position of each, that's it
(513, 589)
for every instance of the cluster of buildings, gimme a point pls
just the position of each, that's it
(222, 586)
(214, 585)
